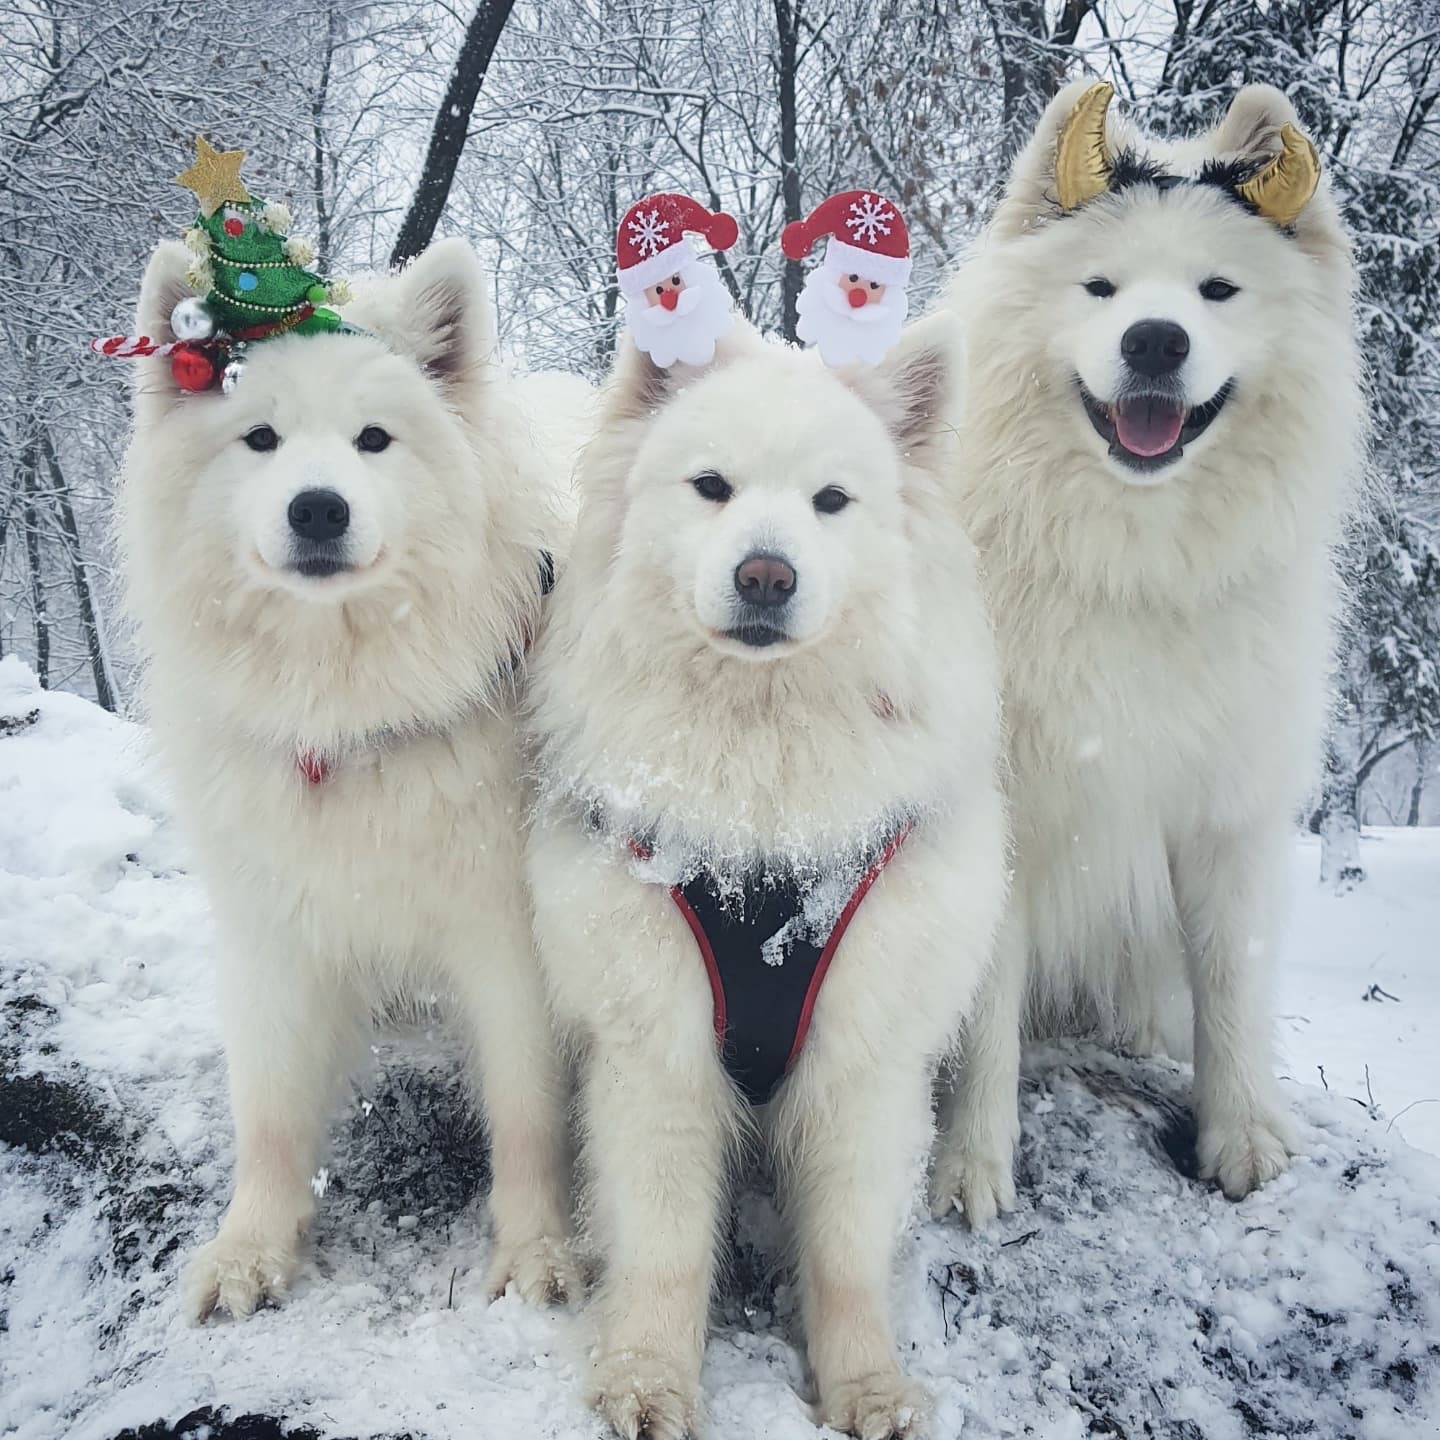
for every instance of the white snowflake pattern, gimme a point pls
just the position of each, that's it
(647, 233)
(868, 217)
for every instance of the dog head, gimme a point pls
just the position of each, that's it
(336, 464)
(758, 503)
(1168, 291)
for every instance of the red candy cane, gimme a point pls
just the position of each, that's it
(129, 347)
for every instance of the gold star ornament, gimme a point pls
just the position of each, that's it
(214, 177)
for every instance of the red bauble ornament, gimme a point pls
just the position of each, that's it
(192, 367)
(234, 226)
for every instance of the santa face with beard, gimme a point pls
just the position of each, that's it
(849, 316)
(677, 318)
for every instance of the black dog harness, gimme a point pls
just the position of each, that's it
(765, 960)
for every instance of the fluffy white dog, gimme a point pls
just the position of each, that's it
(765, 689)
(1161, 426)
(335, 571)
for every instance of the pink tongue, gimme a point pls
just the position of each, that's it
(1147, 426)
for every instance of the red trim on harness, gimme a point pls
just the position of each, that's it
(712, 970)
(838, 934)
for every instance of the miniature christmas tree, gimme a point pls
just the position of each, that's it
(250, 275)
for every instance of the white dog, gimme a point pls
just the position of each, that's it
(1161, 425)
(766, 683)
(335, 571)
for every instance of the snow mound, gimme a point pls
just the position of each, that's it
(1121, 1299)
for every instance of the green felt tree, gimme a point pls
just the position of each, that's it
(249, 272)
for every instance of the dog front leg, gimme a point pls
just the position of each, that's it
(852, 1147)
(521, 1083)
(1226, 886)
(656, 1146)
(974, 1168)
(290, 1031)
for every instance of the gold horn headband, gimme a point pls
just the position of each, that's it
(1082, 161)
(1284, 187)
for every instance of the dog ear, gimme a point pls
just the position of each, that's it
(916, 388)
(1031, 195)
(638, 385)
(166, 283)
(436, 311)
(164, 286)
(1250, 128)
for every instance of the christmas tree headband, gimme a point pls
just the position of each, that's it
(249, 277)
(852, 306)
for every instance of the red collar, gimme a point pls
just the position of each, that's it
(313, 765)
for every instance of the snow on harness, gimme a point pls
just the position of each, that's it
(767, 940)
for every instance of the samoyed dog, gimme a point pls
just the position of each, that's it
(766, 712)
(335, 570)
(1161, 427)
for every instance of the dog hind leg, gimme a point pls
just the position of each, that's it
(980, 1117)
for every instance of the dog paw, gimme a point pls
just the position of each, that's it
(644, 1397)
(883, 1406)
(238, 1271)
(979, 1182)
(1244, 1152)
(543, 1270)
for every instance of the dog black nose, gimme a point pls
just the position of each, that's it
(1155, 347)
(319, 515)
(764, 580)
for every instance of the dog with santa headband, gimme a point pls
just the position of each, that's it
(765, 870)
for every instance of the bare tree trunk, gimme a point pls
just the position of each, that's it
(787, 24)
(1340, 865)
(84, 596)
(30, 520)
(323, 236)
(1032, 60)
(1422, 767)
(4, 532)
(452, 126)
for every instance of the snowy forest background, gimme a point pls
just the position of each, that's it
(528, 127)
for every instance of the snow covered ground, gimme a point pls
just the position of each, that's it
(1122, 1299)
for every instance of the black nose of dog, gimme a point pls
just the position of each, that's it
(1155, 347)
(319, 515)
(764, 580)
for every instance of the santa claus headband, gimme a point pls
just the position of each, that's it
(651, 242)
(867, 235)
(852, 306)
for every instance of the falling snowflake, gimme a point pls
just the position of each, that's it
(647, 232)
(868, 217)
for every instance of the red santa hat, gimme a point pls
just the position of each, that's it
(867, 235)
(653, 229)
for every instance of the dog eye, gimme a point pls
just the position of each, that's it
(1218, 289)
(261, 438)
(373, 438)
(1099, 287)
(830, 501)
(712, 486)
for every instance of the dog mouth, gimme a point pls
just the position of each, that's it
(1150, 431)
(320, 567)
(757, 634)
